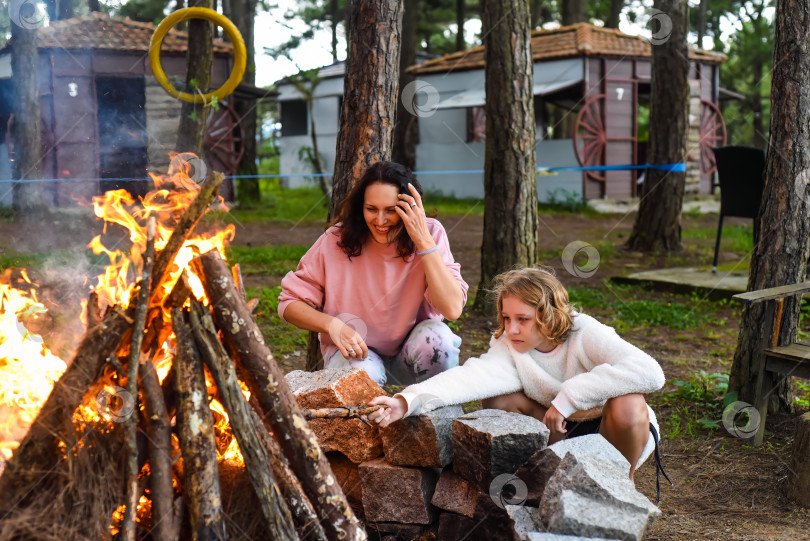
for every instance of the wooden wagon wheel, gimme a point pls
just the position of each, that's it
(712, 135)
(224, 134)
(590, 136)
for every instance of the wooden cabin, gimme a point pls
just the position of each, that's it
(104, 116)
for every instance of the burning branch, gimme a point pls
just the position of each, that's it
(300, 445)
(257, 463)
(131, 423)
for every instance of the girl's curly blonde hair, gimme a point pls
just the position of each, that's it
(537, 287)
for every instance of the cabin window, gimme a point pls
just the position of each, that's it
(293, 118)
(476, 124)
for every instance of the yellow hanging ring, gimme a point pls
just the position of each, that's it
(239, 53)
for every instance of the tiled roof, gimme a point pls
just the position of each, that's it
(580, 39)
(100, 31)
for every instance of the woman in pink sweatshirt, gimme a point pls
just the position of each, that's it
(378, 282)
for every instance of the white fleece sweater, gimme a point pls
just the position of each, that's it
(593, 365)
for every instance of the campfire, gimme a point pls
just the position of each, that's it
(172, 404)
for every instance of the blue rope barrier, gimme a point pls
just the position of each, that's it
(670, 167)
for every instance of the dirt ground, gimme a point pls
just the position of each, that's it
(722, 489)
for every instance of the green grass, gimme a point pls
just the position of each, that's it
(695, 404)
(272, 260)
(627, 307)
(282, 338)
(58, 257)
(735, 238)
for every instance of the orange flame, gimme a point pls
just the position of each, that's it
(24, 385)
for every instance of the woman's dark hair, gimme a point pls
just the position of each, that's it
(354, 231)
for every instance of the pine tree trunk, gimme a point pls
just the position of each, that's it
(701, 23)
(510, 189)
(615, 10)
(370, 92)
(780, 255)
(573, 11)
(27, 124)
(199, 59)
(461, 15)
(244, 13)
(406, 128)
(658, 222)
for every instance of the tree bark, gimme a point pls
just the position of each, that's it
(195, 430)
(370, 92)
(39, 451)
(406, 127)
(461, 16)
(199, 59)
(510, 190)
(257, 462)
(159, 431)
(701, 23)
(131, 422)
(306, 521)
(27, 123)
(573, 11)
(780, 255)
(616, 7)
(798, 484)
(244, 14)
(658, 222)
(266, 381)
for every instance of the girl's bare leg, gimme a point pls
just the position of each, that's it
(626, 424)
(516, 402)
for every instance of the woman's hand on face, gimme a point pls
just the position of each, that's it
(555, 421)
(412, 213)
(393, 410)
(347, 340)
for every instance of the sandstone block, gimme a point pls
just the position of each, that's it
(334, 388)
(396, 493)
(421, 440)
(489, 443)
(347, 476)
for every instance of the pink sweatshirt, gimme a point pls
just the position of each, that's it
(388, 295)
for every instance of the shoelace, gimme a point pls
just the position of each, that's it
(659, 467)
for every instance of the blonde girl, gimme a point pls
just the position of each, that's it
(553, 363)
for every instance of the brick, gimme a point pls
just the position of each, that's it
(455, 494)
(489, 443)
(424, 440)
(397, 493)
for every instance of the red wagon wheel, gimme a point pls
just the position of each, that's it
(590, 136)
(712, 135)
(223, 139)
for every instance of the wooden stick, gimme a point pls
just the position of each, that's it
(266, 380)
(338, 413)
(38, 453)
(257, 462)
(185, 227)
(306, 521)
(93, 310)
(160, 454)
(196, 434)
(131, 422)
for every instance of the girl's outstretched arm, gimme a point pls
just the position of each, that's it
(394, 410)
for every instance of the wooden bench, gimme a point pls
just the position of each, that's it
(791, 359)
